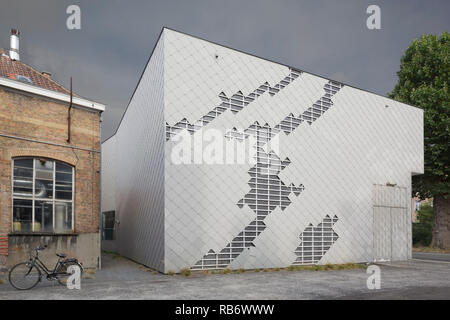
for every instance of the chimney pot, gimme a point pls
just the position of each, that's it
(14, 45)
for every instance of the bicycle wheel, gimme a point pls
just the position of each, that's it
(62, 274)
(24, 276)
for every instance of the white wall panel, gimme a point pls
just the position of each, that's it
(140, 168)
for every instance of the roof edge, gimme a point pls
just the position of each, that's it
(286, 65)
(51, 94)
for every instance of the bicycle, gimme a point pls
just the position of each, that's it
(29, 273)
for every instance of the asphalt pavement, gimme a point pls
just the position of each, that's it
(121, 278)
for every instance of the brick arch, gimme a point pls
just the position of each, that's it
(68, 158)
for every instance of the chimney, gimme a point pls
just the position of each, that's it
(14, 45)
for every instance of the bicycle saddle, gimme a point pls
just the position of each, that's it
(61, 255)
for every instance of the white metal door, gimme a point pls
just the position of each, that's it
(390, 239)
(382, 233)
(399, 234)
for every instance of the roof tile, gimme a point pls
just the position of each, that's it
(11, 69)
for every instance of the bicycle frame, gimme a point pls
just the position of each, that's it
(50, 273)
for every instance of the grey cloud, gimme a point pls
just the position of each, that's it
(107, 56)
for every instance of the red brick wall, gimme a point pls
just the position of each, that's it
(4, 245)
(38, 118)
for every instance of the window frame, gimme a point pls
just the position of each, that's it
(103, 235)
(34, 199)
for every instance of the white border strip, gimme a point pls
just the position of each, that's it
(51, 94)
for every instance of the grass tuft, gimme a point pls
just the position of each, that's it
(226, 271)
(170, 272)
(185, 272)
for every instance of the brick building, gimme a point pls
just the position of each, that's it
(49, 166)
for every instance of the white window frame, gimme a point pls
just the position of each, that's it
(33, 198)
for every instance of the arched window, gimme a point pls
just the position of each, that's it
(43, 192)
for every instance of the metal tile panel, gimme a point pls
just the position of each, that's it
(139, 159)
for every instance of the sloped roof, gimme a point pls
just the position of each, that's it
(17, 70)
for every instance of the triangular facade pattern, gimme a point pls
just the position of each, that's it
(316, 241)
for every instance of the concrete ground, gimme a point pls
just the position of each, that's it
(121, 278)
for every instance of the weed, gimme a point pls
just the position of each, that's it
(185, 272)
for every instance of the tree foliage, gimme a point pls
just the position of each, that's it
(422, 229)
(423, 82)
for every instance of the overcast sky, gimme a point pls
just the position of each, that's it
(107, 56)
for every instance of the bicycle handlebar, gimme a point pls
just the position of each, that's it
(39, 248)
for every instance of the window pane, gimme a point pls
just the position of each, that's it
(43, 216)
(108, 220)
(22, 215)
(66, 177)
(63, 186)
(63, 191)
(43, 189)
(61, 167)
(23, 187)
(63, 217)
(24, 163)
(20, 172)
(44, 165)
(42, 174)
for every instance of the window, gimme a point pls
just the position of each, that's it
(108, 221)
(418, 204)
(42, 195)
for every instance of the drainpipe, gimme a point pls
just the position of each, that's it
(68, 115)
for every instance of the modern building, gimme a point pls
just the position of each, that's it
(49, 166)
(326, 176)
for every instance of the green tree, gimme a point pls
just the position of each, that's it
(423, 228)
(423, 82)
